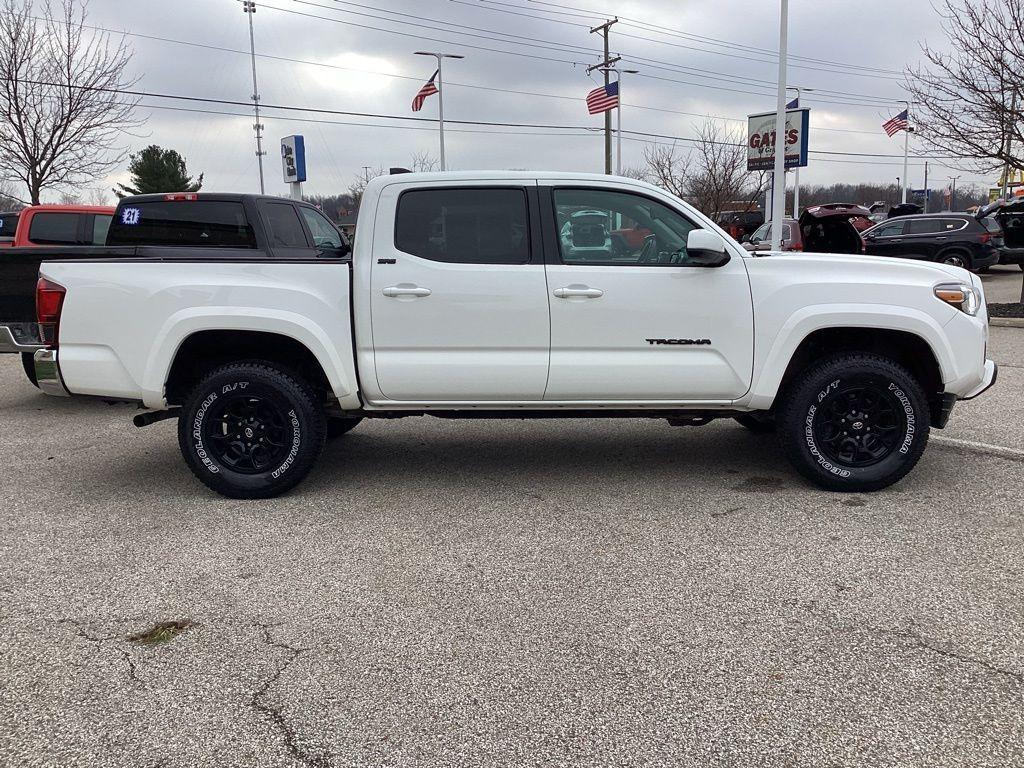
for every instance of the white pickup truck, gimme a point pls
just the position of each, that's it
(504, 295)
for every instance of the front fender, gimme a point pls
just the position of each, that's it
(806, 320)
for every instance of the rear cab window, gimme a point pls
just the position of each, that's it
(54, 228)
(197, 223)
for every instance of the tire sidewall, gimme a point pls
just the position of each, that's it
(306, 433)
(807, 400)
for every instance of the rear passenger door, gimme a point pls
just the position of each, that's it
(459, 308)
(922, 238)
(286, 237)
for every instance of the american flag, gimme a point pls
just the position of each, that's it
(428, 89)
(604, 98)
(896, 124)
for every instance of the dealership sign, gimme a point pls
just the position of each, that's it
(761, 140)
(293, 159)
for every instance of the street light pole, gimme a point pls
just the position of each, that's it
(440, 96)
(779, 183)
(249, 8)
(952, 193)
(618, 117)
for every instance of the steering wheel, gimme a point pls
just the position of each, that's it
(649, 253)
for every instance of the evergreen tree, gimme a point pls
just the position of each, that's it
(154, 170)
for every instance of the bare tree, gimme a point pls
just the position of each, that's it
(424, 161)
(62, 113)
(355, 189)
(67, 198)
(97, 196)
(968, 97)
(8, 200)
(712, 175)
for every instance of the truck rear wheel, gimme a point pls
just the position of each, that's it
(251, 430)
(854, 422)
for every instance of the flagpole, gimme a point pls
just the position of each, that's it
(906, 147)
(779, 185)
(440, 97)
(618, 109)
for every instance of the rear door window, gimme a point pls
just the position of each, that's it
(924, 226)
(53, 228)
(284, 230)
(952, 225)
(196, 223)
(100, 226)
(8, 226)
(464, 226)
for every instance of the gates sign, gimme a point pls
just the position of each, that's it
(761, 140)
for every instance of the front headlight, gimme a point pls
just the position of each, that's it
(964, 297)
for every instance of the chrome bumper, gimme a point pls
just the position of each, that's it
(20, 337)
(48, 373)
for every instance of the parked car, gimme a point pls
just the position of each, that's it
(958, 239)
(1005, 220)
(761, 239)
(261, 343)
(40, 225)
(33, 232)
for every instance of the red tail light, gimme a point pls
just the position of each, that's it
(181, 196)
(49, 301)
(984, 237)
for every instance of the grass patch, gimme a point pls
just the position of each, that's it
(161, 632)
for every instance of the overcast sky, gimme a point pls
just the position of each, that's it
(361, 59)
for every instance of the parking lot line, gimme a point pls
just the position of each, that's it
(996, 450)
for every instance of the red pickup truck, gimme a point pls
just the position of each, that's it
(55, 225)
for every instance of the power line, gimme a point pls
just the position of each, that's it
(321, 110)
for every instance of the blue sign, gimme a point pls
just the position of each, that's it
(293, 159)
(131, 216)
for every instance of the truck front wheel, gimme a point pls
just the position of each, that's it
(854, 422)
(251, 430)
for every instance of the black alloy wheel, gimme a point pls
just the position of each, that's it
(858, 424)
(247, 434)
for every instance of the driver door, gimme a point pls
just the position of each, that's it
(630, 321)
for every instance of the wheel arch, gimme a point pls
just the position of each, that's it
(200, 351)
(926, 359)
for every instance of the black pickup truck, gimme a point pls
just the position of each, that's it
(185, 225)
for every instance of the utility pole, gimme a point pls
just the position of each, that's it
(249, 8)
(952, 193)
(604, 66)
(440, 96)
(906, 151)
(926, 195)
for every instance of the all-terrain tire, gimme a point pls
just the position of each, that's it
(826, 417)
(251, 430)
(341, 425)
(758, 423)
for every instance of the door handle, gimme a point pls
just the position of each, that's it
(578, 291)
(406, 290)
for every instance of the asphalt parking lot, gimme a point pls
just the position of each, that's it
(510, 593)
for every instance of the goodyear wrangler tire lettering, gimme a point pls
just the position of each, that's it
(251, 430)
(853, 422)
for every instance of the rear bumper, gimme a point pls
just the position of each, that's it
(48, 376)
(987, 259)
(20, 337)
(1011, 255)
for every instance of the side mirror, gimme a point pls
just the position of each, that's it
(705, 249)
(335, 252)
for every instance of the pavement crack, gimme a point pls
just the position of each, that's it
(276, 716)
(920, 642)
(83, 631)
